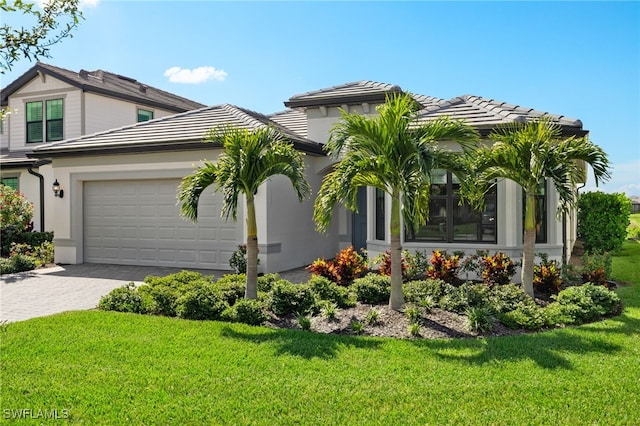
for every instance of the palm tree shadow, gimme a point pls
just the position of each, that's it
(546, 349)
(302, 344)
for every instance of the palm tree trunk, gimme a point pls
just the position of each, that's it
(529, 242)
(251, 289)
(396, 301)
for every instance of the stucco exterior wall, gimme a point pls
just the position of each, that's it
(103, 113)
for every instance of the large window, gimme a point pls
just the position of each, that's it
(541, 212)
(451, 222)
(45, 119)
(144, 115)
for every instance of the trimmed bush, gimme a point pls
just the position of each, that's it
(201, 302)
(603, 220)
(287, 298)
(250, 312)
(508, 297)
(419, 291)
(459, 299)
(17, 263)
(165, 291)
(326, 289)
(372, 289)
(528, 317)
(265, 282)
(232, 287)
(585, 303)
(124, 299)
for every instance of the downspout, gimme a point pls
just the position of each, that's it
(39, 176)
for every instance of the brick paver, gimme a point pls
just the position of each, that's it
(78, 287)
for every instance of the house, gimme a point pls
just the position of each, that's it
(48, 104)
(120, 190)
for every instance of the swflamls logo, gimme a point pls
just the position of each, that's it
(30, 413)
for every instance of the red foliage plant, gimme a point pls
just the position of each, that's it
(444, 267)
(346, 267)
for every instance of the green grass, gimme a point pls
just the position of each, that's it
(111, 368)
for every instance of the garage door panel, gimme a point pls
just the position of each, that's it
(138, 222)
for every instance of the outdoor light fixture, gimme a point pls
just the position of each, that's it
(57, 191)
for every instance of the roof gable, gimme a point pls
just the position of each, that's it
(349, 93)
(176, 132)
(105, 83)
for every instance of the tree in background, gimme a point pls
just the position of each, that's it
(56, 21)
(248, 160)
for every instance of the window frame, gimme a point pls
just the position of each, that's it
(143, 110)
(445, 195)
(17, 180)
(46, 124)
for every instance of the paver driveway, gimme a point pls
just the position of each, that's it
(76, 287)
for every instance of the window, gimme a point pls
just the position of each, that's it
(45, 118)
(144, 115)
(11, 182)
(380, 207)
(541, 213)
(450, 222)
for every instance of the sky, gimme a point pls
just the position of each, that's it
(577, 59)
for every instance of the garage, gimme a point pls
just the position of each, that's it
(137, 222)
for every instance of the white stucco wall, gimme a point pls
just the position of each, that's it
(103, 113)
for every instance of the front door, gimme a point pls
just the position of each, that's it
(359, 222)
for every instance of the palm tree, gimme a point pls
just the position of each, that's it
(248, 160)
(529, 154)
(391, 152)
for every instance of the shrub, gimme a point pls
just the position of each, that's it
(480, 319)
(287, 298)
(418, 291)
(17, 263)
(444, 267)
(357, 327)
(459, 299)
(417, 264)
(603, 220)
(123, 299)
(231, 287)
(633, 232)
(43, 254)
(526, 316)
(596, 268)
(329, 309)
(35, 239)
(201, 302)
(304, 322)
(372, 317)
(414, 315)
(414, 329)
(372, 289)
(497, 269)
(326, 289)
(266, 281)
(16, 211)
(165, 291)
(473, 263)
(547, 277)
(508, 297)
(347, 266)
(238, 260)
(249, 311)
(384, 263)
(586, 302)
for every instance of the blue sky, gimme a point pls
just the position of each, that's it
(578, 59)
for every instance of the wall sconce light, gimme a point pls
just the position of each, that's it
(57, 191)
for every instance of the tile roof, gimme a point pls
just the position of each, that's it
(292, 119)
(105, 83)
(485, 113)
(175, 132)
(355, 92)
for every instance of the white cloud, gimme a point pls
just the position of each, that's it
(194, 76)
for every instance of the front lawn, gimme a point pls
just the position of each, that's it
(114, 368)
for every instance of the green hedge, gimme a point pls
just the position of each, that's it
(603, 220)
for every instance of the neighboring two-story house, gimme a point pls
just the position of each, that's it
(120, 190)
(49, 104)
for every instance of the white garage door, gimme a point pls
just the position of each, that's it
(137, 222)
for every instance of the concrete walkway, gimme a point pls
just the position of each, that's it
(49, 291)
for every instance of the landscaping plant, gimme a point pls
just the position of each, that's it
(603, 220)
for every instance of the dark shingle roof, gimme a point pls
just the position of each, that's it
(355, 92)
(176, 132)
(485, 113)
(105, 83)
(292, 119)
(18, 159)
